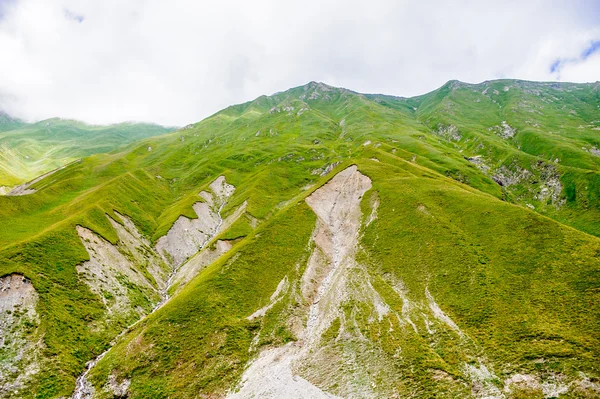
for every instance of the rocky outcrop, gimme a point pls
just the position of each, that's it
(118, 389)
(542, 180)
(504, 130)
(325, 170)
(337, 205)
(188, 236)
(507, 176)
(118, 273)
(19, 346)
(332, 277)
(479, 162)
(550, 187)
(449, 132)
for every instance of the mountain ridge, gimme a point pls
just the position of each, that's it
(32, 149)
(451, 284)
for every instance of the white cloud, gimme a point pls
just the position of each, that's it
(179, 61)
(587, 71)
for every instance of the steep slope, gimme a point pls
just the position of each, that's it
(18, 333)
(325, 287)
(538, 141)
(428, 303)
(317, 242)
(30, 150)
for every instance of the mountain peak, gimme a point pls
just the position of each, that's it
(319, 85)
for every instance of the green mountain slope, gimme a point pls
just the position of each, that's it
(29, 150)
(9, 123)
(318, 243)
(538, 141)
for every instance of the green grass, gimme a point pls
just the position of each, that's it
(211, 312)
(30, 150)
(522, 285)
(500, 287)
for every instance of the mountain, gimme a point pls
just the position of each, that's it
(318, 243)
(9, 123)
(29, 150)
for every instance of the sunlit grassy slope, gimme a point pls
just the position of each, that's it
(29, 150)
(502, 229)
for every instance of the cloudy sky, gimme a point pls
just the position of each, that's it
(176, 62)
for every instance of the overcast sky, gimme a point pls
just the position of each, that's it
(176, 62)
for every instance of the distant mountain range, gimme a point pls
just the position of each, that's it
(28, 150)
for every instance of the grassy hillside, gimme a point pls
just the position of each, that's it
(500, 289)
(9, 123)
(29, 150)
(538, 141)
(458, 287)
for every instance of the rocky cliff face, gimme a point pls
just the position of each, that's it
(20, 341)
(188, 236)
(133, 279)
